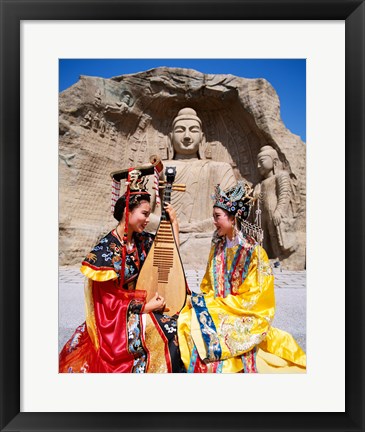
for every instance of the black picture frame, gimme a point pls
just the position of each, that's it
(12, 12)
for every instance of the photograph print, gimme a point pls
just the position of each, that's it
(182, 216)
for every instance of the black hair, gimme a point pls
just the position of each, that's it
(134, 202)
(226, 212)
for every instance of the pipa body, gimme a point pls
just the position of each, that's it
(163, 271)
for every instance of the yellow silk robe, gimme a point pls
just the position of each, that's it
(227, 328)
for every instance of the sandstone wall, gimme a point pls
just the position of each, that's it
(110, 124)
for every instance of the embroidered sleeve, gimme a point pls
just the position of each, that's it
(97, 274)
(136, 306)
(98, 264)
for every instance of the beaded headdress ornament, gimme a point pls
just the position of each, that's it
(136, 181)
(236, 200)
(136, 185)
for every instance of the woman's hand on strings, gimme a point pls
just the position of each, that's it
(174, 222)
(171, 212)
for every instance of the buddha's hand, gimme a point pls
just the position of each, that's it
(276, 217)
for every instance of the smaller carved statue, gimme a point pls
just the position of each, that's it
(87, 120)
(96, 121)
(119, 107)
(112, 132)
(278, 203)
(102, 125)
(144, 121)
(126, 98)
(97, 98)
(126, 101)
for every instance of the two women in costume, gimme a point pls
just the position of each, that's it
(123, 332)
(227, 327)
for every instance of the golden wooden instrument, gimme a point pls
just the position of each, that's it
(163, 271)
(155, 161)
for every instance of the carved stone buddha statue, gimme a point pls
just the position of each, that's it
(200, 175)
(278, 203)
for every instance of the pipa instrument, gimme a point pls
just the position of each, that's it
(162, 271)
(155, 161)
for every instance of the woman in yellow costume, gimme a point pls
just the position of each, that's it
(227, 327)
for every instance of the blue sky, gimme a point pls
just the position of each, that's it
(287, 76)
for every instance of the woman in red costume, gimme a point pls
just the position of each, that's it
(122, 332)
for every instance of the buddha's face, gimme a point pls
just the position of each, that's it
(265, 164)
(186, 136)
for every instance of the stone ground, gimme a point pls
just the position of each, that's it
(290, 292)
